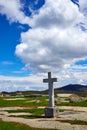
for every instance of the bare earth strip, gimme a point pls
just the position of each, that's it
(11, 108)
(75, 108)
(9, 99)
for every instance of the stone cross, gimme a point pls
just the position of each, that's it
(51, 89)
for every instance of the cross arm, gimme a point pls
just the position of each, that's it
(45, 80)
(54, 79)
(50, 80)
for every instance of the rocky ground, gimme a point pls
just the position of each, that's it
(71, 113)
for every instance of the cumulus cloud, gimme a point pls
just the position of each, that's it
(83, 9)
(32, 82)
(83, 5)
(56, 14)
(55, 39)
(12, 9)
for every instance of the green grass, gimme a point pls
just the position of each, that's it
(18, 110)
(42, 102)
(5, 103)
(35, 112)
(16, 126)
(61, 110)
(24, 103)
(77, 122)
(82, 104)
(27, 116)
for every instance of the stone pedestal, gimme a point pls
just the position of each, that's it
(51, 112)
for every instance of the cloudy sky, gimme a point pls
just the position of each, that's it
(38, 36)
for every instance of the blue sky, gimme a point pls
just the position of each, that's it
(38, 36)
(10, 37)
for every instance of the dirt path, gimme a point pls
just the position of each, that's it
(44, 123)
(73, 108)
(10, 108)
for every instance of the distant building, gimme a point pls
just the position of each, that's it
(5, 94)
(1, 95)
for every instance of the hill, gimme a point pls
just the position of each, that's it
(72, 88)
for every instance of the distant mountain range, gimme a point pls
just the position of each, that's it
(72, 88)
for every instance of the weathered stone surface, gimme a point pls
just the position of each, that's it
(51, 112)
(51, 89)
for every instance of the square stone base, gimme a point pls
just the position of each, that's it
(51, 112)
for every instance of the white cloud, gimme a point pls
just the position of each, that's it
(12, 10)
(54, 42)
(57, 14)
(54, 39)
(35, 81)
(83, 5)
(71, 76)
(83, 9)
(32, 82)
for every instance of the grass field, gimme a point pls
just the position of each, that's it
(81, 104)
(31, 105)
(35, 102)
(24, 103)
(77, 122)
(35, 112)
(16, 126)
